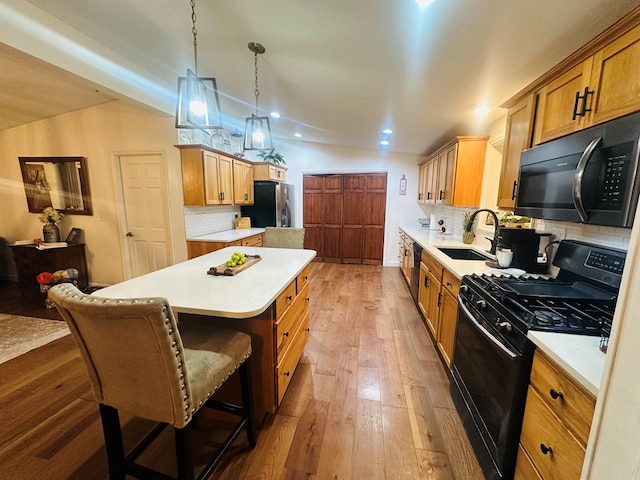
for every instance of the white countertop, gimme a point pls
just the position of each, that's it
(190, 289)
(578, 355)
(227, 235)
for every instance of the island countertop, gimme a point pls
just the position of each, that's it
(227, 235)
(189, 289)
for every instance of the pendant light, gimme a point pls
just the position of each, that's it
(257, 132)
(198, 105)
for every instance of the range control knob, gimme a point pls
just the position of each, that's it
(464, 288)
(481, 304)
(504, 327)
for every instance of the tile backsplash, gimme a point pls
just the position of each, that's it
(203, 220)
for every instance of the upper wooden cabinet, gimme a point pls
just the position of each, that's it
(517, 138)
(451, 173)
(242, 182)
(422, 181)
(604, 86)
(210, 177)
(269, 171)
(598, 82)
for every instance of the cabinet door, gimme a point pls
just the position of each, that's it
(558, 104)
(422, 182)
(242, 183)
(433, 305)
(517, 138)
(447, 325)
(423, 292)
(432, 180)
(212, 192)
(225, 179)
(446, 175)
(614, 79)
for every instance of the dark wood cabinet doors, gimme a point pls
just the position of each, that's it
(344, 216)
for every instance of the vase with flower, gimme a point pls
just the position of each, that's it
(50, 217)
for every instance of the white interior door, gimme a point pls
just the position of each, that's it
(146, 223)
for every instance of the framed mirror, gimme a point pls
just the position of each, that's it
(58, 182)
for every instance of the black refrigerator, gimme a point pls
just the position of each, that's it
(273, 205)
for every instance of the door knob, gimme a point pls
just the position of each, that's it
(130, 234)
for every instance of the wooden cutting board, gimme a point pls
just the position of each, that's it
(243, 222)
(228, 271)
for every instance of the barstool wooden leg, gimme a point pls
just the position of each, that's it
(247, 401)
(113, 442)
(184, 452)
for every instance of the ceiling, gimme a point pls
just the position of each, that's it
(338, 71)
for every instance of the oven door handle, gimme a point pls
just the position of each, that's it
(485, 332)
(578, 177)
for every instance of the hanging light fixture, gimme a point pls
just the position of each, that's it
(198, 104)
(257, 132)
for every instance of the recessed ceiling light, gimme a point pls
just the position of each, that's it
(482, 110)
(424, 3)
(275, 114)
(387, 131)
(297, 135)
(384, 142)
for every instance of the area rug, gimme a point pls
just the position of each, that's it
(20, 335)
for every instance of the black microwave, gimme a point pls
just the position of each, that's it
(590, 176)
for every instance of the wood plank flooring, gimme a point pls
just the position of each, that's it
(369, 400)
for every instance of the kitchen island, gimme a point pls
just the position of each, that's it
(269, 300)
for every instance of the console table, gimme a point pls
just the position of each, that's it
(30, 261)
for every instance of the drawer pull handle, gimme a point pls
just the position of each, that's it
(544, 449)
(307, 299)
(305, 277)
(289, 297)
(285, 334)
(286, 374)
(308, 329)
(449, 284)
(555, 394)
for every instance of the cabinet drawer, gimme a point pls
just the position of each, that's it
(574, 407)
(285, 299)
(286, 367)
(302, 280)
(524, 467)
(450, 282)
(433, 265)
(542, 429)
(253, 241)
(287, 326)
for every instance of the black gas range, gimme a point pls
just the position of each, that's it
(493, 355)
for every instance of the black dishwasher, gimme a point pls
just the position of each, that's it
(414, 285)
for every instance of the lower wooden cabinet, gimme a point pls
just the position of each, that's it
(197, 248)
(438, 302)
(556, 424)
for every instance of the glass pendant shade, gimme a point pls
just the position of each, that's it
(198, 104)
(257, 133)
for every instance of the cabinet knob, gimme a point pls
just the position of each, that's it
(289, 297)
(555, 394)
(286, 374)
(544, 449)
(285, 334)
(308, 329)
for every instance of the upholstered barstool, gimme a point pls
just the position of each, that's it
(140, 361)
(283, 237)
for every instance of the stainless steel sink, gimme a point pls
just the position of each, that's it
(463, 253)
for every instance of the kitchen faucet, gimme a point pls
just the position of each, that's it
(494, 241)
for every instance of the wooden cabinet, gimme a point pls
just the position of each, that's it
(438, 302)
(406, 256)
(30, 261)
(270, 171)
(556, 424)
(291, 330)
(517, 138)
(197, 248)
(422, 180)
(560, 104)
(452, 173)
(242, 182)
(207, 176)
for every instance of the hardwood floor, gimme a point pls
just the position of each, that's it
(369, 400)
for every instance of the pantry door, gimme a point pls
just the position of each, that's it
(146, 239)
